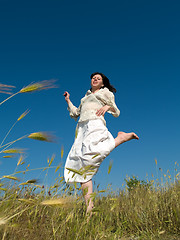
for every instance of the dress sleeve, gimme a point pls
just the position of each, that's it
(110, 101)
(73, 111)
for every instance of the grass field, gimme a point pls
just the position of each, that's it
(141, 212)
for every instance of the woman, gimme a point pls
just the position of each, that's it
(93, 141)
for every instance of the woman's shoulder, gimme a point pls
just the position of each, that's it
(88, 92)
(103, 91)
(106, 91)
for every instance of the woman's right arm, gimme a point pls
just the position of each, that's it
(74, 111)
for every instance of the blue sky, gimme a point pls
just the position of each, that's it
(134, 43)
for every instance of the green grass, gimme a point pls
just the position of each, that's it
(142, 213)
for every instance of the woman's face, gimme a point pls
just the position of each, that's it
(96, 82)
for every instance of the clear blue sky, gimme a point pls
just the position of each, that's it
(134, 43)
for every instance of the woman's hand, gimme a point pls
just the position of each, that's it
(67, 95)
(102, 110)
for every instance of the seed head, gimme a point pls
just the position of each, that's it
(11, 177)
(6, 88)
(23, 114)
(42, 136)
(65, 202)
(46, 84)
(13, 150)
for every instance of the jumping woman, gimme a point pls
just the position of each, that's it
(93, 142)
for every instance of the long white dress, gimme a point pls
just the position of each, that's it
(93, 142)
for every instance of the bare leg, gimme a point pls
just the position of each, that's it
(124, 137)
(87, 189)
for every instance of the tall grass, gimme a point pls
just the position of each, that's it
(142, 213)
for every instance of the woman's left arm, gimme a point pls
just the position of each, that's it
(103, 110)
(110, 106)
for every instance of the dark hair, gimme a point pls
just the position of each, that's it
(105, 81)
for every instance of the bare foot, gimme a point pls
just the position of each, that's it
(89, 213)
(124, 137)
(89, 210)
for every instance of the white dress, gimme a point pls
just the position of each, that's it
(93, 142)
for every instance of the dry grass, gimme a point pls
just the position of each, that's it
(38, 86)
(42, 136)
(7, 89)
(28, 213)
(33, 87)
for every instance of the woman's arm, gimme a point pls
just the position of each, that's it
(113, 108)
(110, 105)
(103, 110)
(74, 111)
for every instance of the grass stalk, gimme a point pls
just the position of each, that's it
(5, 146)
(9, 97)
(8, 133)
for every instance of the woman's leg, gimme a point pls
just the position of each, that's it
(87, 189)
(124, 137)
